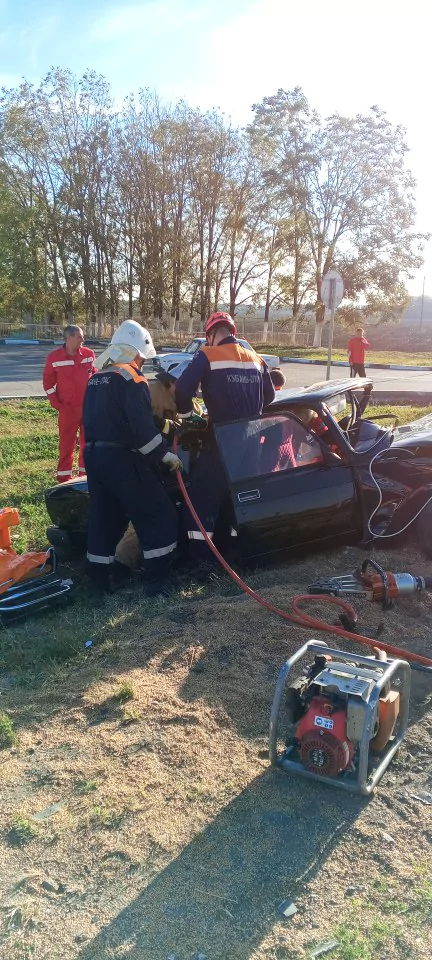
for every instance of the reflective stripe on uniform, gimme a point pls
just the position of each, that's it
(81, 469)
(94, 558)
(160, 552)
(87, 360)
(126, 370)
(234, 365)
(64, 473)
(148, 447)
(197, 535)
(51, 390)
(63, 363)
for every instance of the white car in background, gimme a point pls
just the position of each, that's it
(168, 361)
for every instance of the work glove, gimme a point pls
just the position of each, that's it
(168, 429)
(172, 461)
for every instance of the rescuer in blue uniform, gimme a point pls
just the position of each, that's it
(236, 385)
(123, 450)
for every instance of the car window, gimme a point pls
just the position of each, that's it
(245, 344)
(193, 346)
(266, 445)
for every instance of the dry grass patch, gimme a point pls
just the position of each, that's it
(170, 834)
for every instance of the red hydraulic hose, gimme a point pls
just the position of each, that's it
(298, 616)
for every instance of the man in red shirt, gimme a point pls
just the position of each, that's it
(356, 353)
(65, 377)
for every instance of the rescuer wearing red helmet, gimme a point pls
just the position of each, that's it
(236, 385)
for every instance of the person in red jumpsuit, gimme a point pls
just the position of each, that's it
(65, 377)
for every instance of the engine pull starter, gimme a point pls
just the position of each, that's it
(344, 718)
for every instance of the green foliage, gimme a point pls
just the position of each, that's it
(363, 228)
(202, 213)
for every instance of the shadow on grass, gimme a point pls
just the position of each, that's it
(220, 896)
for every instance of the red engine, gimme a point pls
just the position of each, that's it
(322, 740)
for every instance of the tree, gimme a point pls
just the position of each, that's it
(21, 257)
(350, 191)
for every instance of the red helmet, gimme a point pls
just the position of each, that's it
(220, 319)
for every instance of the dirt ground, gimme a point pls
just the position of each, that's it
(140, 819)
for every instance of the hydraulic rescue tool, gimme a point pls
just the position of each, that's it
(371, 582)
(344, 718)
(28, 581)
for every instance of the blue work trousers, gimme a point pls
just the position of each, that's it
(209, 493)
(123, 488)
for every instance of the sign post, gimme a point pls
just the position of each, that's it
(332, 291)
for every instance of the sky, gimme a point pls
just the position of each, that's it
(231, 53)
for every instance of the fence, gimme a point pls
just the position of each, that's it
(250, 331)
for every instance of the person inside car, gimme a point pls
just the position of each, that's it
(278, 378)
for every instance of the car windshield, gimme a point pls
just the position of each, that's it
(193, 346)
(245, 344)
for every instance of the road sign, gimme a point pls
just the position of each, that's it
(332, 289)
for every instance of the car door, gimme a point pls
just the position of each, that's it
(287, 488)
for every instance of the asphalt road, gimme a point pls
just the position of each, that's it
(21, 374)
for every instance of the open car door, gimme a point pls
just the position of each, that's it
(287, 488)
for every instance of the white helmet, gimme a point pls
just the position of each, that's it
(132, 334)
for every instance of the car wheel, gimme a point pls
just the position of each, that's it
(423, 530)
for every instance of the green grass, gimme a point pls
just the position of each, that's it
(8, 736)
(358, 942)
(372, 356)
(22, 831)
(28, 460)
(87, 786)
(46, 643)
(105, 818)
(403, 414)
(124, 692)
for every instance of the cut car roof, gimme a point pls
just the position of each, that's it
(321, 391)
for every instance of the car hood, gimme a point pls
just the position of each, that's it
(170, 356)
(419, 430)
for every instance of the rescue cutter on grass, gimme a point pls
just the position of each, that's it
(313, 470)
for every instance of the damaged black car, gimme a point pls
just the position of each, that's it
(314, 469)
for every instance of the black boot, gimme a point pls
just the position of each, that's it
(158, 579)
(100, 576)
(121, 574)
